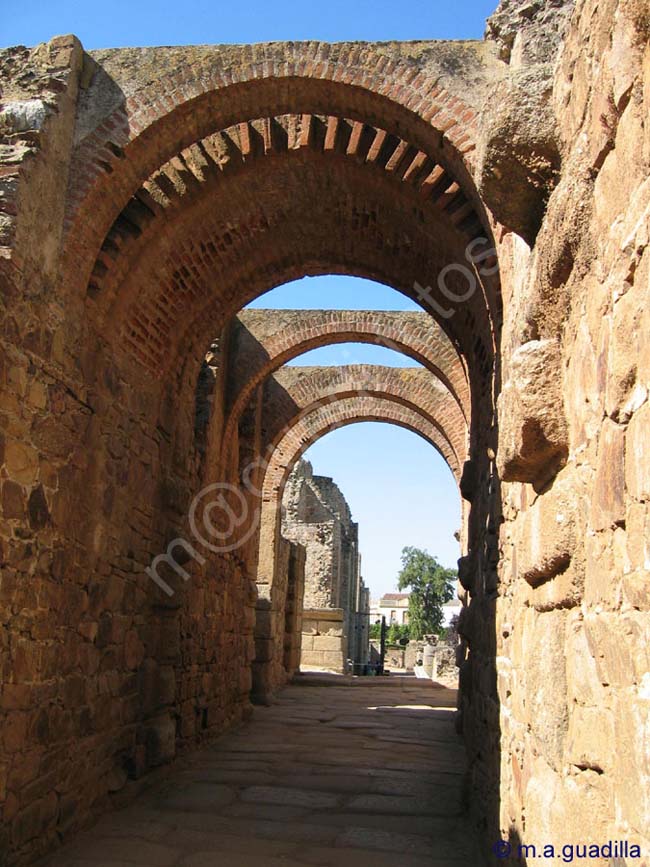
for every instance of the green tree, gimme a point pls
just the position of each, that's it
(394, 633)
(431, 586)
(397, 633)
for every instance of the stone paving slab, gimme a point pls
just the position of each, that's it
(335, 772)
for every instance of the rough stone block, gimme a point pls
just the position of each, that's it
(548, 534)
(21, 462)
(546, 684)
(467, 572)
(532, 426)
(469, 480)
(637, 454)
(620, 645)
(590, 739)
(327, 642)
(608, 501)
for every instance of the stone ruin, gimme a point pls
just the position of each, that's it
(335, 618)
(146, 196)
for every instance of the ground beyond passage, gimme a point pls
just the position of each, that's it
(364, 773)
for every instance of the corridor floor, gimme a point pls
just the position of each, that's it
(364, 773)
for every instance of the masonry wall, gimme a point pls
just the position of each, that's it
(104, 676)
(573, 609)
(324, 640)
(316, 516)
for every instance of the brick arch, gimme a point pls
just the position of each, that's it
(207, 263)
(188, 93)
(199, 170)
(263, 341)
(294, 393)
(161, 126)
(307, 429)
(268, 672)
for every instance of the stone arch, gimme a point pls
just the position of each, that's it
(184, 93)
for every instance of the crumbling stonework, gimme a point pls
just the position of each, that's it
(335, 620)
(146, 196)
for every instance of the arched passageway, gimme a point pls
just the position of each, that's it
(172, 226)
(295, 438)
(500, 185)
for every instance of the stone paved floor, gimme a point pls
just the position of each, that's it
(363, 774)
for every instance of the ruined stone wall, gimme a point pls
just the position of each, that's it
(308, 519)
(317, 516)
(573, 609)
(104, 677)
(325, 643)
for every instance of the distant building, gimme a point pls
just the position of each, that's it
(394, 607)
(451, 609)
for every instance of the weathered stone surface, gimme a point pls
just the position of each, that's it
(608, 504)
(13, 500)
(547, 686)
(520, 144)
(548, 534)
(637, 454)
(21, 462)
(533, 436)
(590, 739)
(528, 32)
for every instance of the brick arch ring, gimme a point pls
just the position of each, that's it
(262, 344)
(307, 429)
(296, 393)
(192, 92)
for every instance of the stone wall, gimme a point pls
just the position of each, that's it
(324, 640)
(573, 610)
(104, 677)
(317, 517)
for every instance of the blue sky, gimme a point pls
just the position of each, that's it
(399, 488)
(163, 22)
(341, 293)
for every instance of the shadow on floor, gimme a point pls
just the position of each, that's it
(336, 772)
